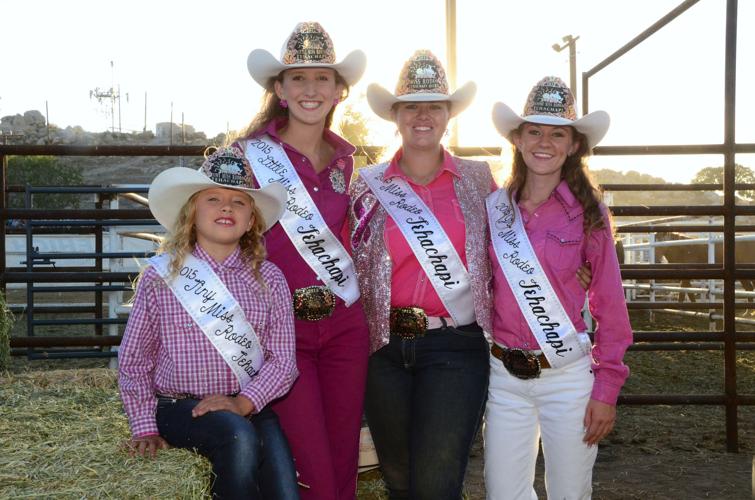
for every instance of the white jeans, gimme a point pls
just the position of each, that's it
(520, 412)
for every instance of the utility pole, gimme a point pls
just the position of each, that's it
(451, 58)
(145, 112)
(571, 42)
(112, 94)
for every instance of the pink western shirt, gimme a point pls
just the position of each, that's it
(165, 352)
(329, 195)
(409, 283)
(555, 231)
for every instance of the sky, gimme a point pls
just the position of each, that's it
(192, 54)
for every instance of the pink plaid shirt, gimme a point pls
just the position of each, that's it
(165, 352)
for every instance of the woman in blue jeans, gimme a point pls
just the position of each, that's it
(419, 238)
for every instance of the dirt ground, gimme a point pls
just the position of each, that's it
(655, 452)
(642, 460)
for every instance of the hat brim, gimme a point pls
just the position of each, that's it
(263, 67)
(381, 101)
(172, 188)
(593, 125)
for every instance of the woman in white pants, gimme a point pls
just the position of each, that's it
(547, 381)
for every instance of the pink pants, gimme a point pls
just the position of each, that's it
(321, 415)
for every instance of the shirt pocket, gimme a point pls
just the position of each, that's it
(563, 250)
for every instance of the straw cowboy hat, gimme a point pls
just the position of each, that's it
(422, 79)
(551, 102)
(309, 46)
(225, 168)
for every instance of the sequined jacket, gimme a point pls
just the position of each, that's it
(373, 264)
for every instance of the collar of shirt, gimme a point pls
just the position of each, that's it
(341, 146)
(566, 199)
(233, 261)
(394, 170)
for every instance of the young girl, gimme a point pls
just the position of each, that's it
(210, 340)
(546, 380)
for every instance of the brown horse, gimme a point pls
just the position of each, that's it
(698, 253)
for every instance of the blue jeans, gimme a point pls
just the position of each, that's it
(424, 403)
(250, 456)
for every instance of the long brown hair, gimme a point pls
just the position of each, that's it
(270, 108)
(577, 176)
(182, 240)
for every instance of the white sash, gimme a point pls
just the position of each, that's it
(545, 315)
(427, 239)
(302, 221)
(217, 313)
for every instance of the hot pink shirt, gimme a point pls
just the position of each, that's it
(409, 283)
(555, 231)
(329, 195)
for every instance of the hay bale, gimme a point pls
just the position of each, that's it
(6, 324)
(62, 433)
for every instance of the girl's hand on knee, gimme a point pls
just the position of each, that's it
(599, 420)
(239, 405)
(146, 446)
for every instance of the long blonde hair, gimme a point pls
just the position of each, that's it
(577, 176)
(271, 109)
(182, 240)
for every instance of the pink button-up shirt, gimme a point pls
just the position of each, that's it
(164, 351)
(329, 191)
(409, 283)
(555, 231)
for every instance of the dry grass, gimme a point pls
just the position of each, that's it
(61, 434)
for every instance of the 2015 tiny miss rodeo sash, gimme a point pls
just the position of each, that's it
(302, 221)
(428, 241)
(217, 313)
(541, 307)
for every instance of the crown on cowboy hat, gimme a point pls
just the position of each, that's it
(422, 79)
(551, 102)
(308, 46)
(225, 168)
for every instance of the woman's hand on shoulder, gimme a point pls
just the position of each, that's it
(239, 405)
(599, 420)
(584, 275)
(146, 446)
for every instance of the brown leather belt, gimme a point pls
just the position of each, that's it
(520, 363)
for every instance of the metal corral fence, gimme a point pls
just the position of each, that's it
(41, 277)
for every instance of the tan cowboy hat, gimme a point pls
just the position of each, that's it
(309, 46)
(551, 102)
(225, 168)
(422, 79)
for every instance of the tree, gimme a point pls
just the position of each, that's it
(353, 128)
(715, 175)
(43, 171)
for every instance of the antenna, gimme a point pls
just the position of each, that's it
(112, 94)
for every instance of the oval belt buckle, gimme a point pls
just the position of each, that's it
(313, 303)
(526, 365)
(408, 322)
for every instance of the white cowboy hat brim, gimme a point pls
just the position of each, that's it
(593, 125)
(381, 101)
(172, 188)
(263, 66)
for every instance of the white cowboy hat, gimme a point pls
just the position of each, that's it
(422, 79)
(225, 168)
(309, 46)
(551, 102)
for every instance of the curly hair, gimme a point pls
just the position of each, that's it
(270, 108)
(182, 240)
(577, 176)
